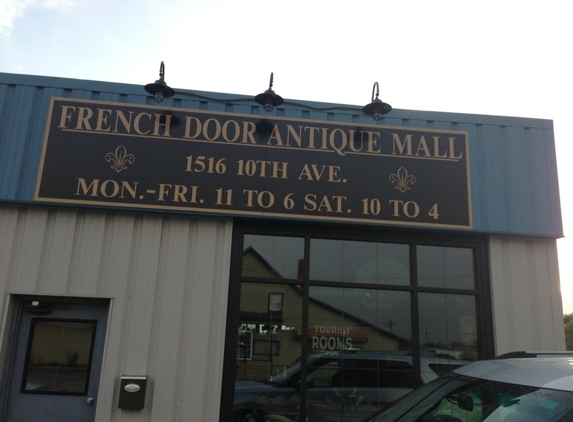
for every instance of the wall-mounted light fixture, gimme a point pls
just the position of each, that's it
(269, 99)
(159, 88)
(376, 108)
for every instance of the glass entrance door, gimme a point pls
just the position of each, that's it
(331, 329)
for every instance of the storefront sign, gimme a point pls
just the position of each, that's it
(354, 332)
(331, 343)
(132, 156)
(336, 338)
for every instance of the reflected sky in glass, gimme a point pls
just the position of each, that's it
(359, 262)
(445, 267)
(388, 310)
(283, 254)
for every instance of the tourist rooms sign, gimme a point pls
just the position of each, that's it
(133, 156)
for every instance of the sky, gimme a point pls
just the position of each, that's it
(493, 57)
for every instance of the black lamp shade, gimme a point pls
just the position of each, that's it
(159, 89)
(377, 109)
(269, 99)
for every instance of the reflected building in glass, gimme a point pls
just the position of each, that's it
(362, 319)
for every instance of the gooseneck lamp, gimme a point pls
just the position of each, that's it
(159, 88)
(376, 108)
(269, 99)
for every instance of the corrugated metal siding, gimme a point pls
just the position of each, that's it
(167, 278)
(513, 164)
(526, 296)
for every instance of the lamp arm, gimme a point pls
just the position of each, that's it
(375, 87)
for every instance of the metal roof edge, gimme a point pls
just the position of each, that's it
(132, 89)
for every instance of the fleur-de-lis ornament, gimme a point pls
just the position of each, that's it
(119, 159)
(402, 180)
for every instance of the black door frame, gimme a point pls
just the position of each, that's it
(280, 228)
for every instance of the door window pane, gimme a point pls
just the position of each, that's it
(360, 262)
(366, 319)
(273, 257)
(267, 378)
(59, 357)
(445, 267)
(359, 351)
(448, 325)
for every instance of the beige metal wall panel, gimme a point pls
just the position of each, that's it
(167, 281)
(526, 298)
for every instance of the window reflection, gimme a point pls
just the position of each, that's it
(267, 378)
(448, 325)
(359, 341)
(273, 257)
(59, 357)
(355, 348)
(443, 267)
(358, 319)
(359, 262)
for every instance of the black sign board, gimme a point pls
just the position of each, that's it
(134, 156)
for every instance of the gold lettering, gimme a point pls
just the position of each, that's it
(343, 141)
(136, 123)
(311, 131)
(163, 191)
(114, 186)
(339, 200)
(297, 136)
(102, 115)
(85, 189)
(275, 135)
(373, 138)
(179, 194)
(324, 138)
(250, 194)
(65, 116)
(130, 189)
(158, 124)
(84, 114)
(324, 205)
(279, 173)
(237, 131)
(452, 149)
(305, 173)
(437, 148)
(249, 128)
(206, 129)
(353, 141)
(406, 145)
(423, 146)
(126, 123)
(312, 203)
(333, 175)
(188, 120)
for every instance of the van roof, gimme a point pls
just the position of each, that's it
(554, 372)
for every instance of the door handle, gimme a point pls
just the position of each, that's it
(90, 400)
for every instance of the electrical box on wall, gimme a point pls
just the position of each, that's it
(132, 392)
